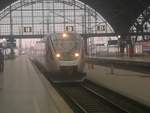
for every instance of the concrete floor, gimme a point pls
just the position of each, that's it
(23, 91)
(131, 84)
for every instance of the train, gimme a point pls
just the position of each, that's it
(62, 55)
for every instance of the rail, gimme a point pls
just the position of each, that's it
(86, 99)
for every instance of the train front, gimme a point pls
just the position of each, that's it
(69, 52)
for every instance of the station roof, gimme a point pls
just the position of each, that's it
(120, 14)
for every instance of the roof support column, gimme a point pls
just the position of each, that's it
(131, 46)
(122, 44)
(85, 45)
(11, 40)
(126, 42)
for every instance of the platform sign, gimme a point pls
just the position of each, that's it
(11, 44)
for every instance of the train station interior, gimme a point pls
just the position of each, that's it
(74, 56)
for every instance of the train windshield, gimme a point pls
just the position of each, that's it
(67, 44)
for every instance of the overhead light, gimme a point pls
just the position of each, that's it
(119, 36)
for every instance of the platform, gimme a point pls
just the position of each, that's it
(23, 89)
(125, 58)
(134, 85)
(137, 64)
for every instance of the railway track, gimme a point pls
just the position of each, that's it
(87, 99)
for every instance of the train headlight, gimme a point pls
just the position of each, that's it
(76, 55)
(58, 55)
(64, 35)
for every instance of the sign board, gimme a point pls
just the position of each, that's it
(112, 42)
(69, 28)
(27, 29)
(11, 44)
(101, 28)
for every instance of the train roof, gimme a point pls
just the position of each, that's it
(65, 34)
